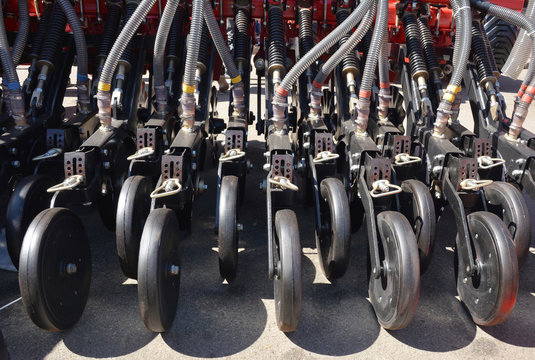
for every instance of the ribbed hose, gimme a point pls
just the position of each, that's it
(104, 85)
(194, 39)
(349, 61)
(521, 50)
(384, 79)
(242, 36)
(16, 101)
(347, 47)
(428, 45)
(417, 62)
(42, 30)
(306, 33)
(159, 55)
(173, 46)
(527, 91)
(276, 41)
(461, 53)
(111, 27)
(371, 62)
(220, 42)
(238, 94)
(187, 100)
(279, 103)
(480, 55)
(81, 54)
(22, 32)
(204, 51)
(54, 36)
(128, 53)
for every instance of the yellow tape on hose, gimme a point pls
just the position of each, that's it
(236, 80)
(104, 86)
(188, 89)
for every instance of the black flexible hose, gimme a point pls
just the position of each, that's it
(111, 27)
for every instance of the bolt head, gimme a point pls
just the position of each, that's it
(71, 268)
(13, 151)
(266, 166)
(16, 164)
(106, 165)
(174, 270)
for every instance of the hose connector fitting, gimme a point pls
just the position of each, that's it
(384, 103)
(279, 111)
(187, 103)
(238, 99)
(363, 114)
(443, 115)
(519, 116)
(104, 109)
(16, 104)
(160, 92)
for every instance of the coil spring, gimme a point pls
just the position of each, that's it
(241, 35)
(428, 45)
(490, 52)
(306, 33)
(350, 62)
(126, 58)
(41, 30)
(175, 34)
(111, 27)
(480, 56)
(276, 40)
(414, 46)
(202, 59)
(54, 37)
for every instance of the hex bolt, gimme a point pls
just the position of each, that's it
(13, 151)
(266, 167)
(71, 268)
(106, 165)
(16, 164)
(239, 227)
(174, 270)
(105, 152)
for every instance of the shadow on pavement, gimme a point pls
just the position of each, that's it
(441, 323)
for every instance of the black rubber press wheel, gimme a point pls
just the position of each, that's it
(227, 237)
(133, 208)
(333, 241)
(395, 293)
(55, 269)
(159, 270)
(287, 282)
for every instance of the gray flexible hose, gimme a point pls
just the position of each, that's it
(194, 41)
(348, 46)
(16, 101)
(122, 41)
(322, 47)
(457, 41)
(159, 54)
(22, 32)
(521, 51)
(375, 47)
(104, 84)
(465, 43)
(81, 53)
(384, 76)
(219, 42)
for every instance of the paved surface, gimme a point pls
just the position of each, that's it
(215, 319)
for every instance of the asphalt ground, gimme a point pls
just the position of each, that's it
(215, 319)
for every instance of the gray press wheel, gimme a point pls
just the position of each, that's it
(55, 269)
(133, 208)
(287, 282)
(506, 201)
(394, 295)
(159, 270)
(227, 237)
(418, 207)
(489, 295)
(333, 241)
(27, 200)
